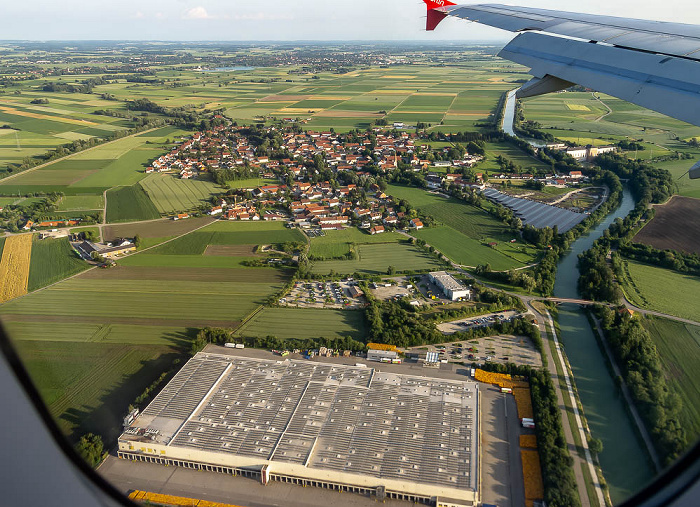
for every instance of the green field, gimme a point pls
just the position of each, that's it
(88, 386)
(114, 330)
(679, 347)
(659, 133)
(171, 194)
(376, 258)
(129, 204)
(81, 203)
(229, 233)
(466, 231)
(336, 244)
(305, 323)
(659, 289)
(53, 260)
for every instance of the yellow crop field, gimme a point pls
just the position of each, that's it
(532, 475)
(524, 402)
(528, 441)
(577, 107)
(14, 266)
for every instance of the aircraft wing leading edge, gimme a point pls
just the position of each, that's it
(649, 63)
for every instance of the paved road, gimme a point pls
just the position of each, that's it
(657, 314)
(579, 462)
(127, 476)
(501, 467)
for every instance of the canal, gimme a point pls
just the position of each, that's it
(624, 461)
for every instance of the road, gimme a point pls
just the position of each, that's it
(604, 104)
(579, 462)
(127, 476)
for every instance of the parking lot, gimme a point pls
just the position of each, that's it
(475, 322)
(315, 294)
(395, 288)
(495, 349)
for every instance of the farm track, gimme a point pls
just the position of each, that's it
(610, 111)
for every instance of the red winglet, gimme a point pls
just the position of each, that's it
(435, 12)
(436, 4)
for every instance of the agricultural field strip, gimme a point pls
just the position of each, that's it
(14, 266)
(72, 155)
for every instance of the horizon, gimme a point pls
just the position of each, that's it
(362, 20)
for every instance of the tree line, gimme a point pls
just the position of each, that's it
(643, 373)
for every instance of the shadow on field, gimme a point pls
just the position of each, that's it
(105, 417)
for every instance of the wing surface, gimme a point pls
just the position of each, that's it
(653, 64)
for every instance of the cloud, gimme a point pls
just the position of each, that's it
(138, 15)
(262, 16)
(196, 13)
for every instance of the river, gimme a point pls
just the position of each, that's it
(624, 461)
(509, 117)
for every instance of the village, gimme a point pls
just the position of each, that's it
(325, 180)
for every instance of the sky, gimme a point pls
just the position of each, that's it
(283, 20)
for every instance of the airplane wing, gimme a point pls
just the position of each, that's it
(653, 64)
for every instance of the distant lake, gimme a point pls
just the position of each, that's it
(227, 69)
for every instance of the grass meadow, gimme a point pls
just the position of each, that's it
(336, 244)
(466, 231)
(171, 194)
(658, 289)
(305, 323)
(376, 258)
(679, 347)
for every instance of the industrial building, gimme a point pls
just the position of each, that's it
(332, 426)
(452, 288)
(379, 355)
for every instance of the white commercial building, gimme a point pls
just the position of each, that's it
(452, 288)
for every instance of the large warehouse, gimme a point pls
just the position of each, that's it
(326, 425)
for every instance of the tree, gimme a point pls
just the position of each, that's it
(390, 270)
(137, 240)
(595, 445)
(90, 448)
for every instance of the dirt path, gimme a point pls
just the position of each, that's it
(604, 104)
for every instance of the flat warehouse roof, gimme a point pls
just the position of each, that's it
(447, 281)
(342, 419)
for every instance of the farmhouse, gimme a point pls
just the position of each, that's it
(86, 248)
(315, 424)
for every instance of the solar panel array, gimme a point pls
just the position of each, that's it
(536, 213)
(343, 418)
